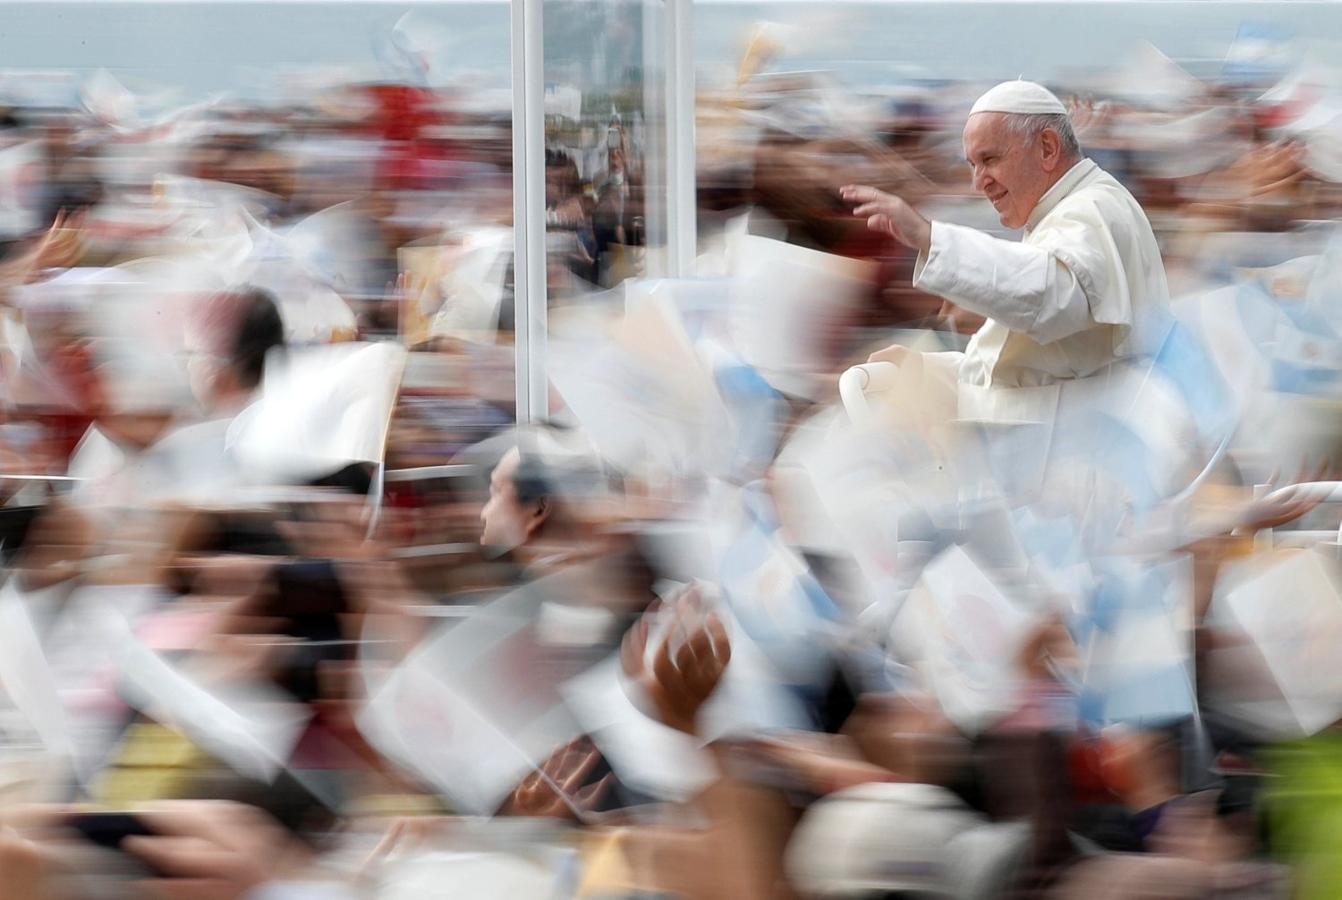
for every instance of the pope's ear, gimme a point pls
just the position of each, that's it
(1050, 149)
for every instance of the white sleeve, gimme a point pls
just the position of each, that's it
(1028, 289)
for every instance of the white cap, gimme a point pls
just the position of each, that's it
(1023, 97)
(878, 837)
(902, 837)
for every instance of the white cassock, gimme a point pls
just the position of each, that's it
(1084, 289)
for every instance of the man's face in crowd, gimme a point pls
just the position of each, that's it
(1011, 171)
(507, 522)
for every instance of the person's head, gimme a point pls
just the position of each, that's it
(518, 504)
(548, 490)
(1018, 142)
(228, 338)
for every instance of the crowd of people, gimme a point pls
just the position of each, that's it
(293, 607)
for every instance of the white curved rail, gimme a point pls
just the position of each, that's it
(859, 381)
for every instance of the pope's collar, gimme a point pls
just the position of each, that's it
(1061, 188)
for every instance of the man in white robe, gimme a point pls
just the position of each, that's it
(1083, 290)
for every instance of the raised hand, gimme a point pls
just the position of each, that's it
(1284, 505)
(555, 790)
(60, 246)
(686, 666)
(62, 243)
(890, 215)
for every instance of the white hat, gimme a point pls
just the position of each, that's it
(877, 837)
(1023, 97)
(901, 837)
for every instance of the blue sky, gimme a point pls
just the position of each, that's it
(204, 47)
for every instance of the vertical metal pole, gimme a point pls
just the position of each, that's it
(529, 262)
(682, 204)
(655, 135)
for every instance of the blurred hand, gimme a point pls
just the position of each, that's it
(1049, 644)
(895, 353)
(686, 667)
(62, 244)
(888, 214)
(566, 769)
(24, 867)
(1274, 168)
(1264, 171)
(213, 850)
(1279, 507)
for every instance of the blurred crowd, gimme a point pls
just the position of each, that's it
(293, 608)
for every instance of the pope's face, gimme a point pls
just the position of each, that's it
(1009, 170)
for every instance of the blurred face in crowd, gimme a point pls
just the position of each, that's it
(1012, 171)
(508, 522)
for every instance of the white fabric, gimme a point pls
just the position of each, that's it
(962, 631)
(26, 681)
(190, 464)
(649, 756)
(477, 707)
(1296, 653)
(1078, 293)
(320, 408)
(881, 837)
(250, 725)
(479, 874)
(1023, 97)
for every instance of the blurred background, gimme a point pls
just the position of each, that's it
(424, 470)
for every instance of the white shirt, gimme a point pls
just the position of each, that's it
(1080, 291)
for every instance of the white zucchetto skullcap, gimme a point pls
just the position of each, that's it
(1023, 97)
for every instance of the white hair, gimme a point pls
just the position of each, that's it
(1030, 126)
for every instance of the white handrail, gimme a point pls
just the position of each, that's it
(858, 381)
(42, 478)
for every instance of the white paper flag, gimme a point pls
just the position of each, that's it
(321, 408)
(965, 634)
(646, 755)
(1291, 609)
(476, 708)
(251, 726)
(26, 677)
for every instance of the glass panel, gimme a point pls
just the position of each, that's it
(604, 143)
